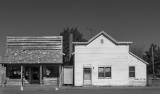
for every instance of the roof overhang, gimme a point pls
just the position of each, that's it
(138, 57)
(107, 36)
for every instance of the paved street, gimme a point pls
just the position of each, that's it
(79, 90)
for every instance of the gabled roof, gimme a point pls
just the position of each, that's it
(138, 57)
(107, 36)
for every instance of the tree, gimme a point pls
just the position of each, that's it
(77, 37)
(137, 50)
(148, 57)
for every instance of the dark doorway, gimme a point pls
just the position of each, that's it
(32, 74)
(87, 76)
(28, 74)
(35, 75)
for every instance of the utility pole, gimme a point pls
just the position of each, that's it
(153, 62)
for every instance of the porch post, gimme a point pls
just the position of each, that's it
(59, 80)
(21, 77)
(41, 75)
(30, 75)
(3, 76)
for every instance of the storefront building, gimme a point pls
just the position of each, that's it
(104, 61)
(36, 60)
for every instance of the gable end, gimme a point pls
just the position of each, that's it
(105, 35)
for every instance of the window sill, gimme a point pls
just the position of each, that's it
(50, 77)
(104, 78)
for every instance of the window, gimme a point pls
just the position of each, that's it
(52, 71)
(14, 72)
(132, 71)
(104, 72)
(87, 73)
(102, 41)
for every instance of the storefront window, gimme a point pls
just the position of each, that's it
(14, 72)
(52, 71)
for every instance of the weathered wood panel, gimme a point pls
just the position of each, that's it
(33, 56)
(50, 81)
(15, 81)
(50, 42)
(45, 49)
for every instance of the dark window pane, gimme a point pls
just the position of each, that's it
(87, 70)
(101, 72)
(49, 72)
(14, 72)
(132, 71)
(52, 71)
(108, 72)
(131, 68)
(131, 74)
(101, 41)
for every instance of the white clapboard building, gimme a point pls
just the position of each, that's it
(103, 61)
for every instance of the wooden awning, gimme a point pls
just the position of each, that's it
(32, 56)
(41, 49)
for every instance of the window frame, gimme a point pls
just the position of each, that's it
(104, 73)
(14, 73)
(53, 68)
(132, 72)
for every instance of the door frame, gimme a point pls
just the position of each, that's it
(90, 74)
(32, 74)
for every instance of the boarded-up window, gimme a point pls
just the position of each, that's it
(132, 71)
(104, 72)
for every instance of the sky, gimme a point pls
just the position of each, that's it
(125, 20)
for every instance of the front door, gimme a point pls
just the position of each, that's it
(87, 76)
(35, 75)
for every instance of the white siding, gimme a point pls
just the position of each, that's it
(117, 57)
(97, 42)
(141, 76)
